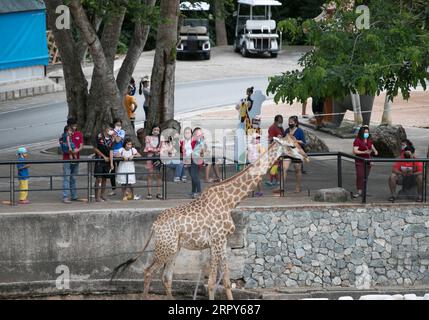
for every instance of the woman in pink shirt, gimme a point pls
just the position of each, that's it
(362, 147)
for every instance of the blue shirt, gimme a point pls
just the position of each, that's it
(119, 145)
(23, 173)
(299, 135)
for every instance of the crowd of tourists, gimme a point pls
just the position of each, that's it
(188, 153)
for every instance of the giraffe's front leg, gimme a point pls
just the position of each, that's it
(225, 272)
(214, 262)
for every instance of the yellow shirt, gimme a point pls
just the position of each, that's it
(129, 101)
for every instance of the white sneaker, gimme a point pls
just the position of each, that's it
(184, 179)
(113, 193)
(176, 179)
(136, 197)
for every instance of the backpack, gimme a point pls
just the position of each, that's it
(63, 143)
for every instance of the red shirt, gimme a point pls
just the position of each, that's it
(275, 131)
(77, 139)
(363, 146)
(411, 166)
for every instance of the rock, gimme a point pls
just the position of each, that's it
(387, 140)
(291, 283)
(300, 253)
(314, 143)
(332, 195)
(251, 284)
(376, 297)
(336, 281)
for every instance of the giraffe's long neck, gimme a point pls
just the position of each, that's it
(239, 186)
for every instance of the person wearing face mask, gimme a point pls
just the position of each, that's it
(103, 147)
(197, 160)
(298, 135)
(71, 169)
(275, 130)
(118, 141)
(153, 148)
(363, 147)
(404, 144)
(404, 170)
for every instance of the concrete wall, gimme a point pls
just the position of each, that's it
(22, 74)
(277, 247)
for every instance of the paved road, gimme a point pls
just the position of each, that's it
(41, 122)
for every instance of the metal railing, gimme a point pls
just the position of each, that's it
(89, 175)
(340, 156)
(90, 172)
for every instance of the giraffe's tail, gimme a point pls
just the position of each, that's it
(124, 266)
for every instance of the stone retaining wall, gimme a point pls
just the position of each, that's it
(307, 247)
(358, 247)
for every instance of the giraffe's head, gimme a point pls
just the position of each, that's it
(288, 146)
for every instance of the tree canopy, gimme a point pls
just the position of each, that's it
(392, 54)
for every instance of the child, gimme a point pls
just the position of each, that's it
(273, 175)
(67, 143)
(153, 148)
(126, 166)
(23, 175)
(254, 151)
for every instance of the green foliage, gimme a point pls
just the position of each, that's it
(392, 55)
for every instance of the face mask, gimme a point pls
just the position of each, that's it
(117, 128)
(291, 125)
(403, 147)
(280, 125)
(366, 135)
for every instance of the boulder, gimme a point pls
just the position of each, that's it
(387, 140)
(314, 143)
(332, 195)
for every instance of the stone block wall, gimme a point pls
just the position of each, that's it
(326, 247)
(322, 246)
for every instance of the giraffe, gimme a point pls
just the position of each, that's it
(206, 222)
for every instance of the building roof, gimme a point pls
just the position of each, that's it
(9, 6)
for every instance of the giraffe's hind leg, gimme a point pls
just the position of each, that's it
(167, 275)
(148, 274)
(165, 254)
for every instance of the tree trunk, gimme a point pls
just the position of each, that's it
(386, 119)
(105, 102)
(163, 72)
(357, 109)
(82, 46)
(219, 8)
(75, 82)
(138, 42)
(111, 34)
